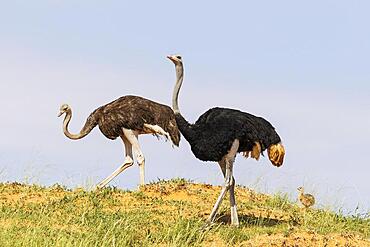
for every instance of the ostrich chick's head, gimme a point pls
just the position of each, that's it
(300, 189)
(176, 59)
(63, 109)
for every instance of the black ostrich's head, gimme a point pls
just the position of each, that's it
(176, 59)
(63, 109)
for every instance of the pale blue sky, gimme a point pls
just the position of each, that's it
(304, 66)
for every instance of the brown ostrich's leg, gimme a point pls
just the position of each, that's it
(132, 137)
(127, 163)
(229, 160)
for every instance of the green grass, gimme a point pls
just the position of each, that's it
(165, 213)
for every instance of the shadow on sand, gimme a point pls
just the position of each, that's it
(251, 220)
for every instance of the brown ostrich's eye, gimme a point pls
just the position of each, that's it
(178, 57)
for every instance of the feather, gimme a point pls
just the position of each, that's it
(132, 112)
(276, 154)
(256, 151)
(211, 136)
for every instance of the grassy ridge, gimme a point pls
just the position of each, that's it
(166, 213)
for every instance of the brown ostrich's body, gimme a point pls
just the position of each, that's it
(127, 117)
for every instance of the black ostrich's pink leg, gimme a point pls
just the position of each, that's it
(228, 164)
(233, 212)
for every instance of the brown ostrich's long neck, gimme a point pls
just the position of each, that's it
(66, 121)
(184, 126)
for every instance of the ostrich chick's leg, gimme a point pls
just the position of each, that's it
(229, 160)
(132, 137)
(129, 161)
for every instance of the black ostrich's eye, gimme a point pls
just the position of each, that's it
(178, 57)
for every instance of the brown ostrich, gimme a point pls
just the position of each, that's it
(127, 117)
(307, 200)
(220, 134)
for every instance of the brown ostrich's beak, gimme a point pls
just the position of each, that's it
(170, 58)
(60, 114)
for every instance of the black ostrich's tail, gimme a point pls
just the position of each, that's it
(276, 153)
(259, 136)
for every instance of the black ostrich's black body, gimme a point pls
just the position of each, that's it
(132, 112)
(220, 133)
(212, 135)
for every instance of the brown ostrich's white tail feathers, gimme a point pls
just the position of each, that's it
(276, 154)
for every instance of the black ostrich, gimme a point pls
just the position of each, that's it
(127, 117)
(220, 133)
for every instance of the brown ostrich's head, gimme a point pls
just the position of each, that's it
(300, 189)
(63, 109)
(176, 59)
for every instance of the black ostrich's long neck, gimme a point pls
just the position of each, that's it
(86, 129)
(176, 90)
(184, 126)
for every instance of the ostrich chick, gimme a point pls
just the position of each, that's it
(306, 199)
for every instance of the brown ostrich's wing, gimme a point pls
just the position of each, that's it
(119, 114)
(132, 112)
